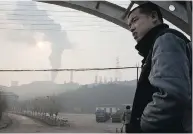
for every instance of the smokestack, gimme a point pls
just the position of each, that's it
(96, 79)
(111, 79)
(100, 79)
(71, 76)
(14, 83)
(105, 80)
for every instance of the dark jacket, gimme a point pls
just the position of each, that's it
(163, 91)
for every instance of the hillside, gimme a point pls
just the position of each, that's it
(41, 88)
(87, 98)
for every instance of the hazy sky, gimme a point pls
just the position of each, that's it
(75, 38)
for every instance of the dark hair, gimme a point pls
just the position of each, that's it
(148, 8)
(128, 107)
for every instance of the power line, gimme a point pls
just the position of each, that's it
(70, 30)
(51, 21)
(19, 23)
(58, 70)
(16, 3)
(46, 24)
(42, 4)
(95, 19)
(42, 20)
(55, 29)
(41, 10)
(15, 14)
(45, 20)
(48, 14)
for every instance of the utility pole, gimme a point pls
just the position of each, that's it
(137, 66)
(117, 72)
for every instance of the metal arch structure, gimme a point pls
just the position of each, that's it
(180, 17)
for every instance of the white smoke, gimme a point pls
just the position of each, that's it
(58, 39)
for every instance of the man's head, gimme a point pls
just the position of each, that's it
(143, 18)
(128, 107)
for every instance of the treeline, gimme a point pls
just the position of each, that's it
(3, 103)
(86, 98)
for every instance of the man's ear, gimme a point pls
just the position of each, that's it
(154, 16)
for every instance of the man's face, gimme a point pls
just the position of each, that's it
(139, 24)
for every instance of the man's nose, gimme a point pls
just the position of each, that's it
(132, 29)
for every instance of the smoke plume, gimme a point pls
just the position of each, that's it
(56, 37)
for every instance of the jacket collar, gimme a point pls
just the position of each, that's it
(145, 44)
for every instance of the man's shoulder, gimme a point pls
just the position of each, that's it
(170, 40)
(173, 33)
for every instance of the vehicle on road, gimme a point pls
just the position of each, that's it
(117, 117)
(102, 116)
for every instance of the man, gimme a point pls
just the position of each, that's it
(162, 101)
(126, 117)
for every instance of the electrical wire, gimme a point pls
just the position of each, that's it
(41, 15)
(58, 70)
(57, 30)
(48, 24)
(41, 4)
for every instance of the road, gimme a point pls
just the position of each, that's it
(87, 123)
(80, 123)
(22, 124)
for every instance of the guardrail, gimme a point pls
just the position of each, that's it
(49, 120)
(5, 121)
